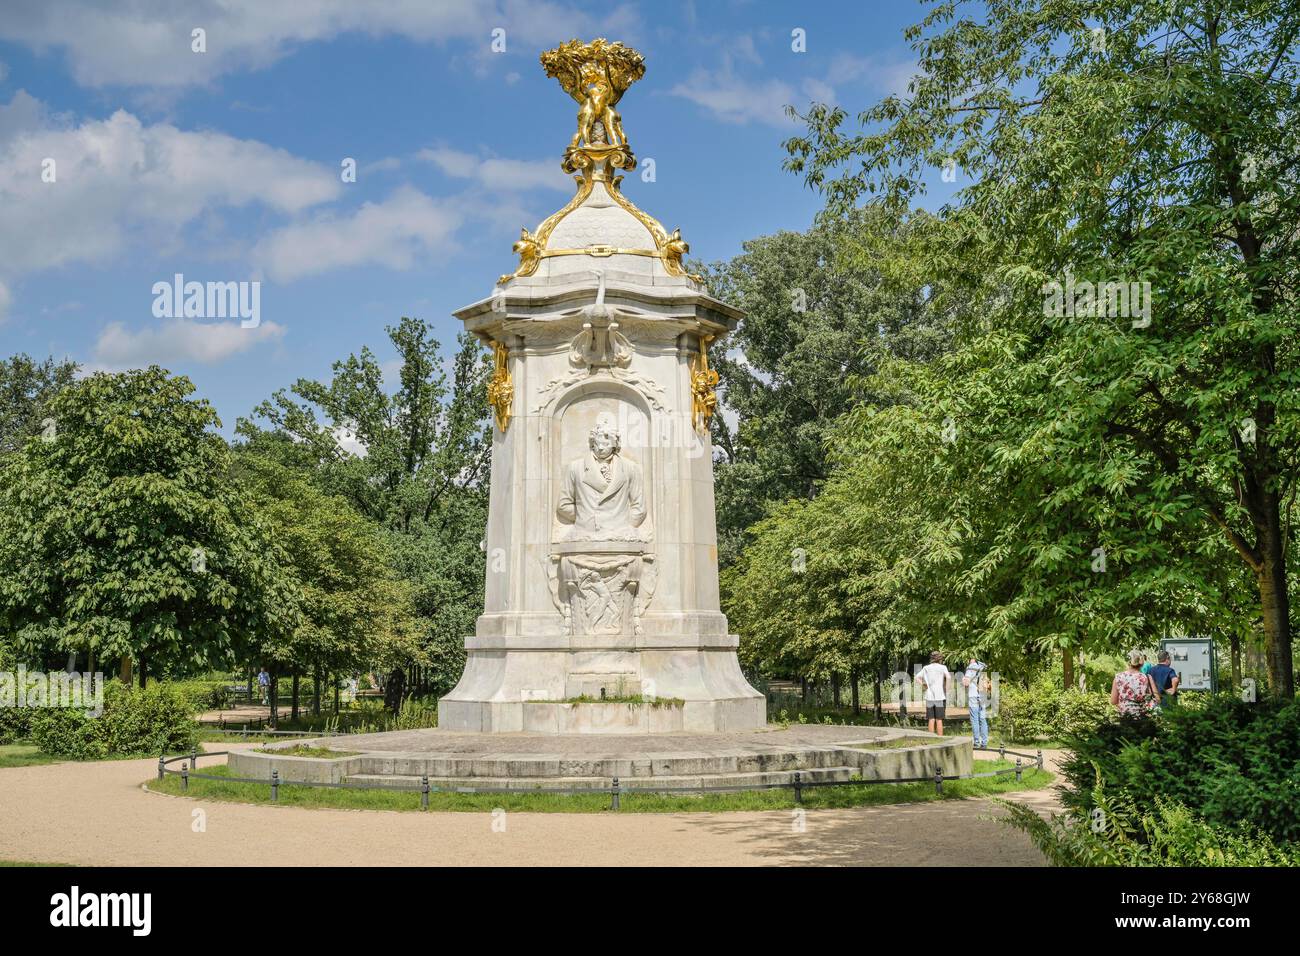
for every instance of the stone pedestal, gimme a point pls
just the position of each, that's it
(571, 611)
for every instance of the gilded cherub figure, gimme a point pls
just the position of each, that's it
(598, 107)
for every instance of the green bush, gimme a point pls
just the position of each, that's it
(15, 724)
(1116, 833)
(135, 723)
(202, 695)
(1229, 763)
(1045, 710)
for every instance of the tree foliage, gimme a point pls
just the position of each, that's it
(122, 534)
(1103, 142)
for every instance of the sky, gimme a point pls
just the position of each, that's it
(127, 156)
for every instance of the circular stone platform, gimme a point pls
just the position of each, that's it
(643, 761)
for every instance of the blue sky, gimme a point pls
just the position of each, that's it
(225, 165)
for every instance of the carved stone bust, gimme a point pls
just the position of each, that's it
(601, 561)
(603, 492)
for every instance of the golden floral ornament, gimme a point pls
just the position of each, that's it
(596, 75)
(704, 382)
(501, 387)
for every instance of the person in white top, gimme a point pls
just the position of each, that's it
(933, 677)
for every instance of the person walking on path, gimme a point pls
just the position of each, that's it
(1164, 680)
(976, 682)
(934, 679)
(264, 684)
(1132, 692)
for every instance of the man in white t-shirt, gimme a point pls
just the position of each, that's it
(934, 679)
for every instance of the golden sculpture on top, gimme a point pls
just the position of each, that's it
(596, 75)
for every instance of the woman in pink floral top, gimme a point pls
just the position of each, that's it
(1133, 692)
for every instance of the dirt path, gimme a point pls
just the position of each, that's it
(97, 813)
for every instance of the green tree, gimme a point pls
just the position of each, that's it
(355, 612)
(823, 309)
(122, 535)
(1116, 142)
(26, 387)
(422, 475)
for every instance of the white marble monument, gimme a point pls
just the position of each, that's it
(602, 565)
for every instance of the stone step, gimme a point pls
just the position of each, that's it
(552, 766)
(603, 783)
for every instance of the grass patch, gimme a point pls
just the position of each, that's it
(25, 755)
(630, 801)
(302, 750)
(4, 863)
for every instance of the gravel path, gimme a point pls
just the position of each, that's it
(97, 813)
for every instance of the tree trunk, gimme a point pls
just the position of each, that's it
(124, 670)
(1067, 666)
(315, 692)
(1275, 605)
(835, 690)
(335, 679)
(293, 714)
(275, 697)
(144, 668)
(1234, 642)
(857, 703)
(876, 693)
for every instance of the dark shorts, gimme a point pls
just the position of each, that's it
(935, 711)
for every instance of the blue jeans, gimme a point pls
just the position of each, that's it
(979, 722)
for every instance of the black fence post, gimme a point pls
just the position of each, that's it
(798, 787)
(1018, 770)
(613, 792)
(194, 760)
(1002, 751)
(938, 782)
(424, 792)
(275, 786)
(185, 777)
(1040, 760)
(162, 766)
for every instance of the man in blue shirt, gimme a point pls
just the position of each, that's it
(976, 683)
(1165, 679)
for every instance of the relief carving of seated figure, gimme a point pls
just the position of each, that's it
(603, 497)
(603, 492)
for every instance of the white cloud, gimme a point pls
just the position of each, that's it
(885, 75)
(735, 99)
(386, 165)
(349, 443)
(177, 340)
(119, 181)
(498, 174)
(147, 43)
(5, 298)
(404, 229)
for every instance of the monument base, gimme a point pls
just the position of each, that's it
(770, 755)
(612, 689)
